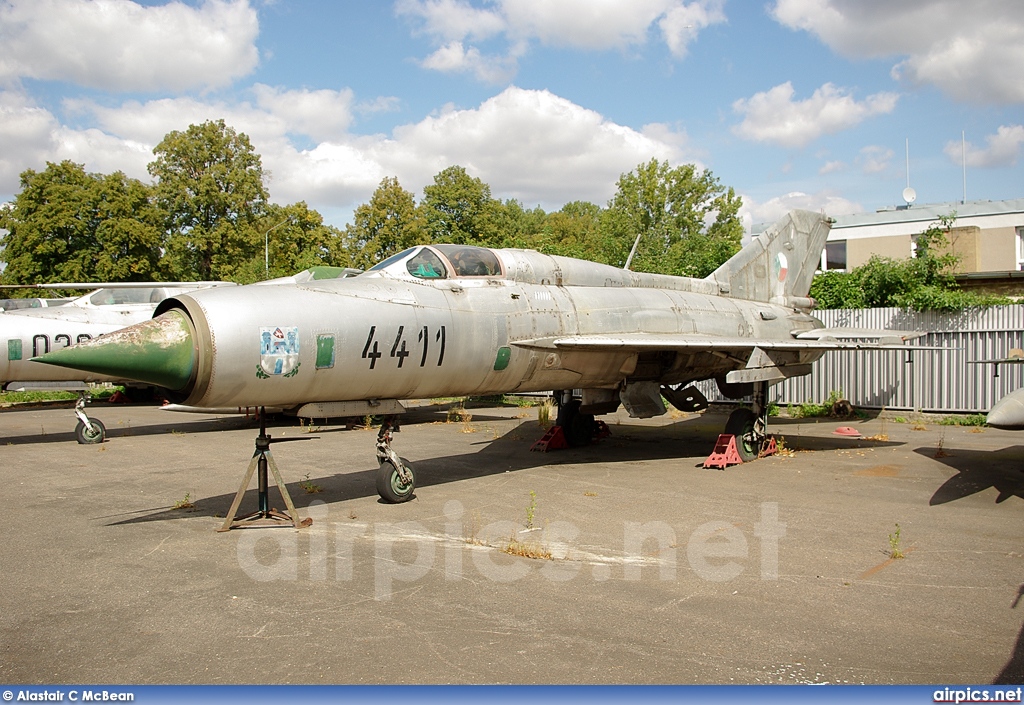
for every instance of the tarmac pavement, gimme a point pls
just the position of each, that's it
(775, 571)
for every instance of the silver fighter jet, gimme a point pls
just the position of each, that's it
(455, 320)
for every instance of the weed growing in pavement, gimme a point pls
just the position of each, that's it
(894, 544)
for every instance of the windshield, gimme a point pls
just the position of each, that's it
(391, 260)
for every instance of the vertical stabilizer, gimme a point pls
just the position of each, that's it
(777, 266)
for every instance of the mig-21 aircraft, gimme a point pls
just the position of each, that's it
(458, 320)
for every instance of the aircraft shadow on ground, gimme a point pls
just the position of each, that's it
(118, 432)
(689, 441)
(181, 422)
(978, 470)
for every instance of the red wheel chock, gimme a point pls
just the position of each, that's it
(724, 454)
(554, 439)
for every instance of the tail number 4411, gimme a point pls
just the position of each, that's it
(399, 347)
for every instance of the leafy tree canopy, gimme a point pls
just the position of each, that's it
(388, 224)
(68, 225)
(210, 189)
(687, 222)
(294, 238)
(458, 208)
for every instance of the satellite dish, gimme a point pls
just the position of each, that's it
(909, 195)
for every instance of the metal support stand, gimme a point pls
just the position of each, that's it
(262, 459)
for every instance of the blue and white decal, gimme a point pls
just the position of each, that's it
(279, 351)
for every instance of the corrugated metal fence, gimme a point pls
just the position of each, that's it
(927, 380)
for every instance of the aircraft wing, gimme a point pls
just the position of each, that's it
(119, 285)
(645, 342)
(757, 359)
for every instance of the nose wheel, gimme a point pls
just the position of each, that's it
(395, 480)
(88, 431)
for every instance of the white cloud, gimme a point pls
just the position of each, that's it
(453, 19)
(973, 52)
(579, 24)
(754, 213)
(584, 24)
(454, 58)
(320, 114)
(683, 23)
(874, 159)
(530, 145)
(773, 116)
(1003, 149)
(831, 167)
(123, 46)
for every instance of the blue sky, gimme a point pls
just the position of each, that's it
(794, 103)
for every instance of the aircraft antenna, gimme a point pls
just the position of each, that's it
(909, 194)
(963, 160)
(632, 252)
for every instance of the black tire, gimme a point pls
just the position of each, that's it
(578, 429)
(566, 412)
(741, 425)
(581, 430)
(85, 436)
(390, 486)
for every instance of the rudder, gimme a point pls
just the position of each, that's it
(778, 265)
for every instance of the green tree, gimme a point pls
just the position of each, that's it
(924, 282)
(458, 208)
(574, 231)
(515, 226)
(68, 225)
(210, 187)
(389, 223)
(294, 238)
(687, 222)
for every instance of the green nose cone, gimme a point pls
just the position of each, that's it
(159, 352)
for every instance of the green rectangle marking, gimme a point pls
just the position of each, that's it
(324, 352)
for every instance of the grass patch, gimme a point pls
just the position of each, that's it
(44, 395)
(834, 406)
(965, 420)
(523, 549)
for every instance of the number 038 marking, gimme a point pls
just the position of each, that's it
(400, 346)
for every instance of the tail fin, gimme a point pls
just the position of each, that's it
(778, 265)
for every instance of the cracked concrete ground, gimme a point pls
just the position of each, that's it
(776, 571)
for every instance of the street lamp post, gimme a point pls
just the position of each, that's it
(266, 247)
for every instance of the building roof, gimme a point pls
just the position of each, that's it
(924, 213)
(929, 213)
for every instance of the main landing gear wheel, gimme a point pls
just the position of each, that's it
(579, 429)
(390, 485)
(741, 425)
(96, 432)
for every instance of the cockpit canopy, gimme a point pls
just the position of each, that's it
(443, 262)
